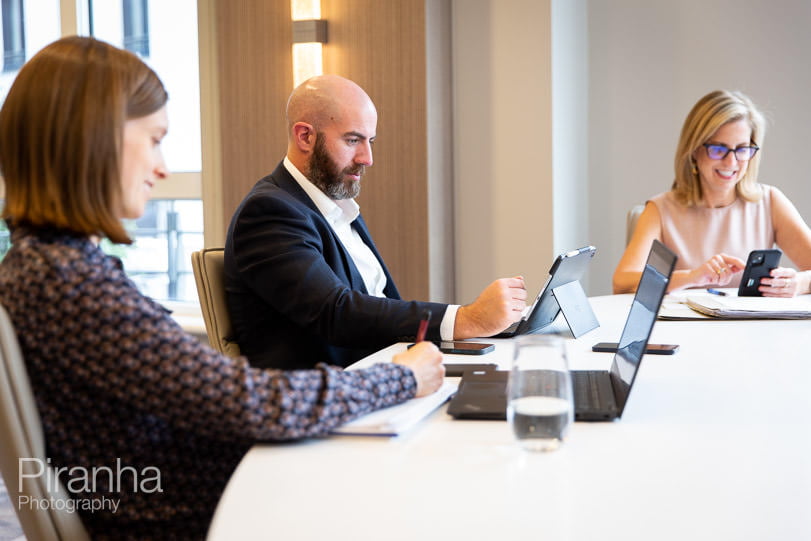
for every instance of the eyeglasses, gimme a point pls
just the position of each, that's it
(719, 152)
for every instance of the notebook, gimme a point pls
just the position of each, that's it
(750, 307)
(396, 420)
(561, 292)
(599, 395)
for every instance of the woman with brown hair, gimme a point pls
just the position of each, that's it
(717, 212)
(118, 383)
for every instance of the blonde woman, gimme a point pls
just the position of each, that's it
(716, 211)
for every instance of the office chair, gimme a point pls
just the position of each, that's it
(209, 274)
(22, 437)
(630, 221)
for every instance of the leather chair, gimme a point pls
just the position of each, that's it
(22, 436)
(209, 274)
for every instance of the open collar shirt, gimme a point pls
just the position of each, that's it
(340, 214)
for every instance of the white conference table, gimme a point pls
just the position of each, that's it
(714, 443)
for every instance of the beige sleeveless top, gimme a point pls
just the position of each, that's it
(697, 233)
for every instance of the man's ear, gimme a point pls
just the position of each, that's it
(304, 136)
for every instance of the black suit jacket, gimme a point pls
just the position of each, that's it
(294, 294)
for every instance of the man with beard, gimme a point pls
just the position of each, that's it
(304, 280)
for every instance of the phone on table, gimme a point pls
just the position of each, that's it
(458, 369)
(651, 349)
(758, 265)
(463, 348)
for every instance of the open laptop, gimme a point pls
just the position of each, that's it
(562, 291)
(599, 395)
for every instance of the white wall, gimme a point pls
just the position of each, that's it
(440, 150)
(650, 61)
(570, 127)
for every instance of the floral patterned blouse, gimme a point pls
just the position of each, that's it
(121, 386)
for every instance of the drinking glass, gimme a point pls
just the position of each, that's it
(540, 405)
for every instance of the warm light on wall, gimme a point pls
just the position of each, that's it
(309, 35)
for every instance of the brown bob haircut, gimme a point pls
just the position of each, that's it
(61, 133)
(712, 111)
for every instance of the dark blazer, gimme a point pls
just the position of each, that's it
(294, 294)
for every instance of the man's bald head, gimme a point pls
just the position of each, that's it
(332, 125)
(325, 99)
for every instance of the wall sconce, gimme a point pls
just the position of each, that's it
(309, 34)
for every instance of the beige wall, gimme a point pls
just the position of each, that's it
(502, 142)
(380, 45)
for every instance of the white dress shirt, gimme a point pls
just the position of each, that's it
(340, 214)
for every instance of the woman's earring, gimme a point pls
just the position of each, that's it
(694, 169)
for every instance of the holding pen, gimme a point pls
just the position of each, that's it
(426, 318)
(427, 365)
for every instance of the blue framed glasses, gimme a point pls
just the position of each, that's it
(719, 152)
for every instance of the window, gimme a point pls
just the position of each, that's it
(164, 34)
(136, 27)
(13, 35)
(23, 36)
(159, 261)
(5, 240)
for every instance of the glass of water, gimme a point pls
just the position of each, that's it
(540, 405)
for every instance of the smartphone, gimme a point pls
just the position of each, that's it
(758, 265)
(457, 369)
(463, 348)
(652, 349)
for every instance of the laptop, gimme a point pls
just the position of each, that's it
(562, 290)
(599, 395)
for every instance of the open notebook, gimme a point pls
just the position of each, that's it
(397, 419)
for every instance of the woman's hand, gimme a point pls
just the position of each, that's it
(425, 360)
(717, 270)
(784, 282)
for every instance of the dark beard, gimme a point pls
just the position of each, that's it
(326, 175)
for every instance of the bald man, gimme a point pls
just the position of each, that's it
(304, 280)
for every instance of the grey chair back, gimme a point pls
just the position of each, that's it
(630, 221)
(23, 448)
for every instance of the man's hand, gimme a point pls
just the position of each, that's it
(497, 307)
(425, 360)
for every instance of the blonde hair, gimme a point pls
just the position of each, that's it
(61, 132)
(706, 117)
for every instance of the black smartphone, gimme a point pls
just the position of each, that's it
(457, 369)
(652, 349)
(463, 348)
(758, 265)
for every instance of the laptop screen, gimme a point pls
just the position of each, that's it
(649, 294)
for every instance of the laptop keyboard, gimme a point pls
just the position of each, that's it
(590, 391)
